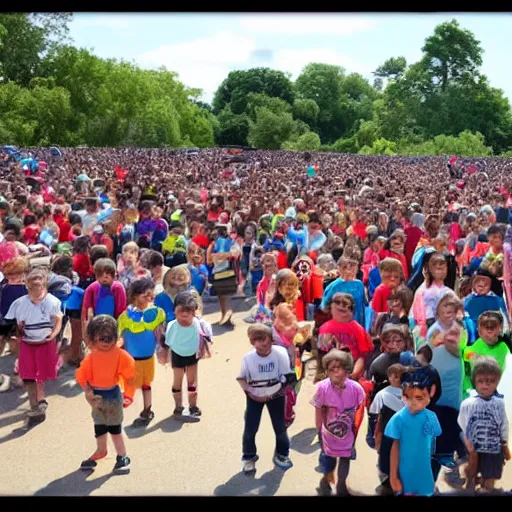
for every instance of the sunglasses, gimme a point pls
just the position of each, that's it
(340, 302)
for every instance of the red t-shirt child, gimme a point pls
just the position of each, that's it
(380, 298)
(349, 334)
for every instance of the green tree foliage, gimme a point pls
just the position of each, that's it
(270, 129)
(306, 110)
(392, 68)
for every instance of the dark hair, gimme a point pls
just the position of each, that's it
(495, 230)
(140, 287)
(185, 300)
(29, 219)
(63, 266)
(98, 252)
(12, 227)
(421, 378)
(344, 296)
(492, 316)
(485, 365)
(104, 266)
(342, 356)
(74, 218)
(404, 295)
(154, 259)
(103, 326)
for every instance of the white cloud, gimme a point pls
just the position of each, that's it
(295, 60)
(307, 24)
(202, 63)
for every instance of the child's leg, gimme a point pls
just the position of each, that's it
(31, 388)
(343, 468)
(252, 423)
(276, 409)
(471, 469)
(148, 375)
(176, 389)
(76, 340)
(100, 432)
(191, 372)
(488, 484)
(118, 440)
(3, 342)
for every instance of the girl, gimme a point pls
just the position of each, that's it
(336, 400)
(183, 340)
(81, 261)
(484, 424)
(198, 270)
(429, 294)
(39, 320)
(128, 266)
(141, 327)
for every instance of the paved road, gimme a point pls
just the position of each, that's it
(169, 457)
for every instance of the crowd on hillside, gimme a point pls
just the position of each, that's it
(392, 272)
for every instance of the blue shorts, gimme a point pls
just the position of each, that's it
(328, 464)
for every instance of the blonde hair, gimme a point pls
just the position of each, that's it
(130, 247)
(390, 265)
(15, 266)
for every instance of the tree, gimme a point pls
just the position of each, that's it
(233, 129)
(238, 84)
(452, 53)
(270, 130)
(256, 101)
(379, 147)
(306, 110)
(392, 69)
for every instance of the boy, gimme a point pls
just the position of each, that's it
(347, 283)
(386, 403)
(482, 298)
(391, 275)
(99, 375)
(264, 375)
(105, 296)
(413, 430)
(128, 266)
(336, 400)
(490, 325)
(493, 259)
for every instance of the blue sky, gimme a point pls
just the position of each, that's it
(204, 48)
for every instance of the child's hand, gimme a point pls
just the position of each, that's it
(506, 452)
(93, 400)
(396, 484)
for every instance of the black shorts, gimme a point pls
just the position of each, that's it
(490, 465)
(8, 328)
(178, 361)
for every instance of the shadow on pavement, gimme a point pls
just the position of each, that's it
(303, 441)
(249, 485)
(15, 434)
(168, 425)
(74, 484)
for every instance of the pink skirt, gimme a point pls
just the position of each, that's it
(38, 361)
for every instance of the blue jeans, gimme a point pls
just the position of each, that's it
(252, 424)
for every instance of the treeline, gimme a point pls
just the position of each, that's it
(54, 93)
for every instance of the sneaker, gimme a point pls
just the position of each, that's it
(32, 421)
(43, 405)
(282, 462)
(122, 465)
(146, 416)
(324, 491)
(178, 411)
(195, 411)
(5, 383)
(36, 412)
(249, 466)
(88, 465)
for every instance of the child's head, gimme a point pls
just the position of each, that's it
(481, 282)
(390, 271)
(424, 355)
(130, 252)
(393, 338)
(394, 374)
(338, 365)
(490, 324)
(98, 252)
(437, 269)
(342, 306)
(447, 309)
(285, 320)
(287, 284)
(102, 332)
(177, 280)
(347, 268)
(185, 307)
(326, 262)
(37, 280)
(400, 300)
(141, 292)
(105, 271)
(486, 376)
(63, 266)
(417, 388)
(260, 336)
(495, 236)
(15, 268)
(81, 244)
(269, 264)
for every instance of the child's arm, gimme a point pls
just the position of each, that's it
(378, 433)
(358, 369)
(57, 325)
(394, 478)
(319, 420)
(247, 390)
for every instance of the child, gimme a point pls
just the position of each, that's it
(484, 424)
(14, 271)
(336, 400)
(386, 403)
(492, 261)
(81, 260)
(413, 430)
(347, 283)
(490, 325)
(182, 338)
(39, 320)
(482, 298)
(105, 296)
(128, 266)
(263, 377)
(140, 327)
(99, 375)
(391, 274)
(256, 267)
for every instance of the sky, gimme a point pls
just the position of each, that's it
(204, 48)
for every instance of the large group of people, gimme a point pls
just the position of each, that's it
(393, 273)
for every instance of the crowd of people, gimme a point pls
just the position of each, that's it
(393, 273)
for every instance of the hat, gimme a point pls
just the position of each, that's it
(98, 230)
